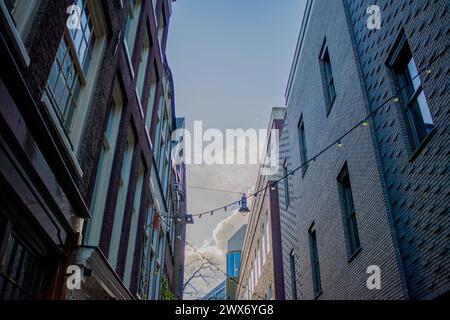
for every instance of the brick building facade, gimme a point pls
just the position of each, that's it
(82, 115)
(261, 268)
(377, 196)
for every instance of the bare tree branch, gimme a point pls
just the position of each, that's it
(195, 270)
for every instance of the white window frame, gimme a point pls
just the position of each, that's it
(143, 64)
(133, 15)
(119, 215)
(88, 85)
(19, 30)
(134, 225)
(104, 170)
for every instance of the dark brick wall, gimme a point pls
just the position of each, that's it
(131, 117)
(417, 183)
(42, 44)
(315, 197)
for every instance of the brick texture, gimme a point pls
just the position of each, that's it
(417, 182)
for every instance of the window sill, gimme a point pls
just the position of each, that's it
(422, 145)
(354, 255)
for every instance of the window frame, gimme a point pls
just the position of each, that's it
(134, 14)
(315, 263)
(19, 34)
(126, 173)
(328, 79)
(287, 198)
(105, 165)
(348, 213)
(38, 273)
(398, 64)
(293, 271)
(72, 138)
(302, 145)
(135, 213)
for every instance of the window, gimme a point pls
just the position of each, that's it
(267, 231)
(161, 27)
(302, 145)
(293, 275)
(104, 168)
(22, 13)
(134, 224)
(21, 272)
(327, 78)
(64, 86)
(419, 120)
(152, 97)
(261, 256)
(143, 63)
(153, 258)
(74, 71)
(315, 268)
(132, 26)
(233, 260)
(144, 275)
(125, 173)
(251, 285)
(255, 273)
(286, 185)
(158, 137)
(264, 242)
(349, 214)
(159, 264)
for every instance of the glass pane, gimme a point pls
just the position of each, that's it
(53, 75)
(82, 50)
(425, 111)
(15, 268)
(59, 90)
(64, 100)
(8, 254)
(413, 73)
(62, 50)
(77, 39)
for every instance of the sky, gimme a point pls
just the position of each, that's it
(230, 60)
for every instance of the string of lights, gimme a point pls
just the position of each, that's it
(338, 142)
(215, 190)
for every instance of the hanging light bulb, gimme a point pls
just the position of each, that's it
(396, 99)
(365, 123)
(212, 212)
(225, 208)
(243, 204)
(429, 71)
(339, 144)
